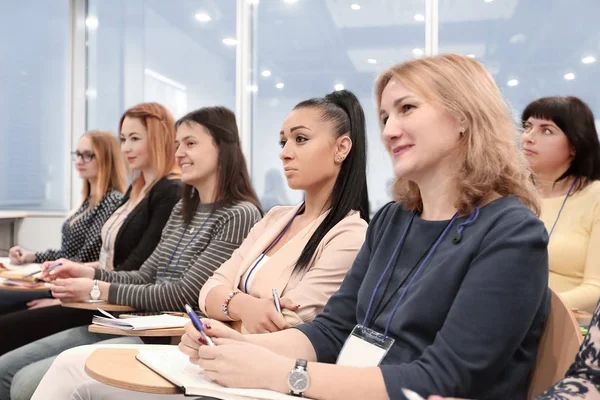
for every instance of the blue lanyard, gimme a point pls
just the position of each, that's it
(257, 263)
(561, 207)
(416, 274)
(184, 249)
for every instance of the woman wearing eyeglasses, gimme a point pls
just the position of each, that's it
(100, 165)
(130, 235)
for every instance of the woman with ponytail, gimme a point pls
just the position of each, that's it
(303, 251)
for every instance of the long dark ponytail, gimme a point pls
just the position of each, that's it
(343, 109)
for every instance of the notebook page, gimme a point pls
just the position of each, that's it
(23, 284)
(175, 367)
(142, 323)
(25, 268)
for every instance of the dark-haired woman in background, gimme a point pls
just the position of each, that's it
(304, 252)
(217, 210)
(561, 143)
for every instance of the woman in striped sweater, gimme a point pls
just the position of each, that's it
(302, 252)
(217, 210)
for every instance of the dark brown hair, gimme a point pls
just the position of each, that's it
(344, 111)
(575, 118)
(234, 183)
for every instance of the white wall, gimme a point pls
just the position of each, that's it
(40, 232)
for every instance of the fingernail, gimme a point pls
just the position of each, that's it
(207, 325)
(201, 340)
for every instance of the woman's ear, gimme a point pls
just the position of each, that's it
(342, 149)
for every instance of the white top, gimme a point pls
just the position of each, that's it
(251, 272)
(110, 229)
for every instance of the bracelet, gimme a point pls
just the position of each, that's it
(225, 305)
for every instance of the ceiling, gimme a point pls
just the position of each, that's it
(311, 45)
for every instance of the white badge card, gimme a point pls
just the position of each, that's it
(364, 348)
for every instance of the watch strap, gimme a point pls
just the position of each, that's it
(299, 366)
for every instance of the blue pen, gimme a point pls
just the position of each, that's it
(53, 267)
(50, 268)
(198, 324)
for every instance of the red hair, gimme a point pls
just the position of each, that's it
(160, 125)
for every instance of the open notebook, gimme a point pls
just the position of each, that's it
(140, 323)
(174, 366)
(16, 271)
(23, 283)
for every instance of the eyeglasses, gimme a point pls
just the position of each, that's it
(86, 156)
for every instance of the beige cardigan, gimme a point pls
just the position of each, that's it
(311, 290)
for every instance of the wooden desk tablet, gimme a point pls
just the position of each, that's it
(163, 332)
(120, 368)
(94, 306)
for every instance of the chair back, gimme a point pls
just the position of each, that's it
(559, 344)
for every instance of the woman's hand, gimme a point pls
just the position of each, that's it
(19, 256)
(244, 365)
(72, 289)
(191, 339)
(260, 315)
(41, 303)
(67, 269)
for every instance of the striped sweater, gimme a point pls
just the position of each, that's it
(186, 256)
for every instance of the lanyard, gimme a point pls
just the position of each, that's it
(277, 239)
(184, 249)
(561, 207)
(394, 255)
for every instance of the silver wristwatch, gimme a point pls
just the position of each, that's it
(95, 292)
(298, 379)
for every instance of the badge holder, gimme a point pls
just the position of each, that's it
(364, 348)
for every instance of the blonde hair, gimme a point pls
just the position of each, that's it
(465, 89)
(110, 165)
(160, 124)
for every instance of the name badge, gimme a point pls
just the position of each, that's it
(364, 348)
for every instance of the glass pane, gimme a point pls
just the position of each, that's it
(34, 105)
(532, 50)
(171, 52)
(304, 49)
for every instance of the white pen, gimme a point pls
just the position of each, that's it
(410, 395)
(276, 300)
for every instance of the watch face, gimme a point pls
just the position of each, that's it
(298, 381)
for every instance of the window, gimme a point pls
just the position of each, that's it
(34, 105)
(308, 48)
(531, 49)
(171, 52)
